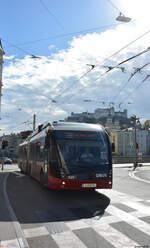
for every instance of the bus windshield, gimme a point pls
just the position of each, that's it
(81, 151)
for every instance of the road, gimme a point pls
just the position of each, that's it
(33, 217)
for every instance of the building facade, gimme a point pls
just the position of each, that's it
(126, 142)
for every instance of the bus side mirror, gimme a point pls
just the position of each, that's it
(113, 147)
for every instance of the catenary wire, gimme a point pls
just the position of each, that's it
(141, 83)
(124, 61)
(118, 51)
(127, 82)
(68, 34)
(51, 14)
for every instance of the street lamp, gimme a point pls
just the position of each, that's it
(123, 18)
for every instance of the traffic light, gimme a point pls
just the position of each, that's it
(4, 144)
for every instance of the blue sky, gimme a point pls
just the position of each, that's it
(44, 28)
(25, 21)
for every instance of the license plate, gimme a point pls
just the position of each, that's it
(88, 185)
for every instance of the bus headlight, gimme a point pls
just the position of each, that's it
(63, 183)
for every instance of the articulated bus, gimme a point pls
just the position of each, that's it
(67, 155)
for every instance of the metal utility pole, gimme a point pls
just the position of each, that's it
(135, 119)
(34, 122)
(1, 66)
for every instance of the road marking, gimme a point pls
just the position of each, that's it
(138, 206)
(139, 214)
(68, 240)
(132, 174)
(76, 224)
(116, 238)
(17, 228)
(117, 196)
(35, 232)
(10, 244)
(130, 219)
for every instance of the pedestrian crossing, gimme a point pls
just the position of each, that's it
(122, 226)
(80, 232)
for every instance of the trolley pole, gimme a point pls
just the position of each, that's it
(34, 122)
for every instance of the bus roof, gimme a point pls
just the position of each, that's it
(57, 125)
(77, 126)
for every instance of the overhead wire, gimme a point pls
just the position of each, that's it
(22, 50)
(51, 14)
(139, 37)
(112, 55)
(132, 92)
(122, 62)
(127, 82)
(32, 92)
(68, 34)
(114, 6)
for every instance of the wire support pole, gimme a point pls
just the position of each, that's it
(135, 121)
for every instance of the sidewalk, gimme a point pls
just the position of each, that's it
(129, 165)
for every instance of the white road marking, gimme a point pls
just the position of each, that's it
(118, 197)
(18, 231)
(116, 238)
(139, 214)
(132, 174)
(68, 240)
(11, 244)
(130, 219)
(35, 232)
(76, 224)
(138, 206)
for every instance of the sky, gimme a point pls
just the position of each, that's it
(50, 47)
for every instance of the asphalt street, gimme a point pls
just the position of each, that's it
(34, 217)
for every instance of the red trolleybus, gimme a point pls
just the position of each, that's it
(66, 155)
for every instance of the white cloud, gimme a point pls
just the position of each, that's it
(9, 57)
(31, 84)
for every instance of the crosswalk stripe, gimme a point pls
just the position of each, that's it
(138, 206)
(35, 232)
(116, 238)
(130, 219)
(68, 240)
(139, 214)
(117, 196)
(13, 243)
(76, 224)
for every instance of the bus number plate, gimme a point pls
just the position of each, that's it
(88, 185)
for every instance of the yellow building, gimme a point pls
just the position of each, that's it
(114, 140)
